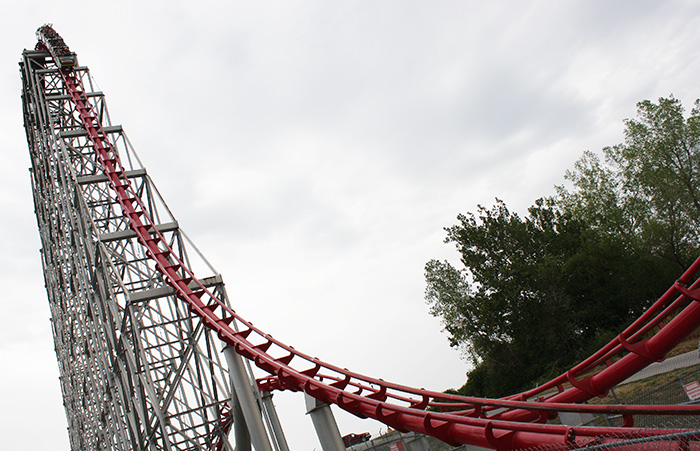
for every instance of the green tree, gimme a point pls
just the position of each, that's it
(535, 294)
(647, 191)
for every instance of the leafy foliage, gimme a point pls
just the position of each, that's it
(648, 190)
(534, 294)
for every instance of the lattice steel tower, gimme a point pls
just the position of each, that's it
(137, 369)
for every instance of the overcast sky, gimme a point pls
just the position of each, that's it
(315, 150)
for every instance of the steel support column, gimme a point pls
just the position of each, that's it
(246, 399)
(240, 427)
(324, 423)
(271, 413)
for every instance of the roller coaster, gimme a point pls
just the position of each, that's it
(139, 336)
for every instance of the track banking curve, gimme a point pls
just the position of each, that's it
(518, 421)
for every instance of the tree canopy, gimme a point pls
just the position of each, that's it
(648, 188)
(534, 294)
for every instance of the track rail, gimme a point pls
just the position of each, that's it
(510, 423)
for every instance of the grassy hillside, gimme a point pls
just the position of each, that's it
(627, 392)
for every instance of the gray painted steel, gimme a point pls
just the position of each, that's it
(246, 397)
(138, 371)
(280, 440)
(240, 428)
(325, 425)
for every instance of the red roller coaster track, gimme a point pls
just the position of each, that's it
(518, 421)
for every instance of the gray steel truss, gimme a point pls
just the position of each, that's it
(138, 371)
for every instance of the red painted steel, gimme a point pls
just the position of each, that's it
(509, 423)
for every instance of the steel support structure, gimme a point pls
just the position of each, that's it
(275, 426)
(324, 423)
(245, 393)
(138, 370)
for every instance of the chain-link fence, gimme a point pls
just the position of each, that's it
(672, 392)
(677, 391)
(681, 390)
(689, 440)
